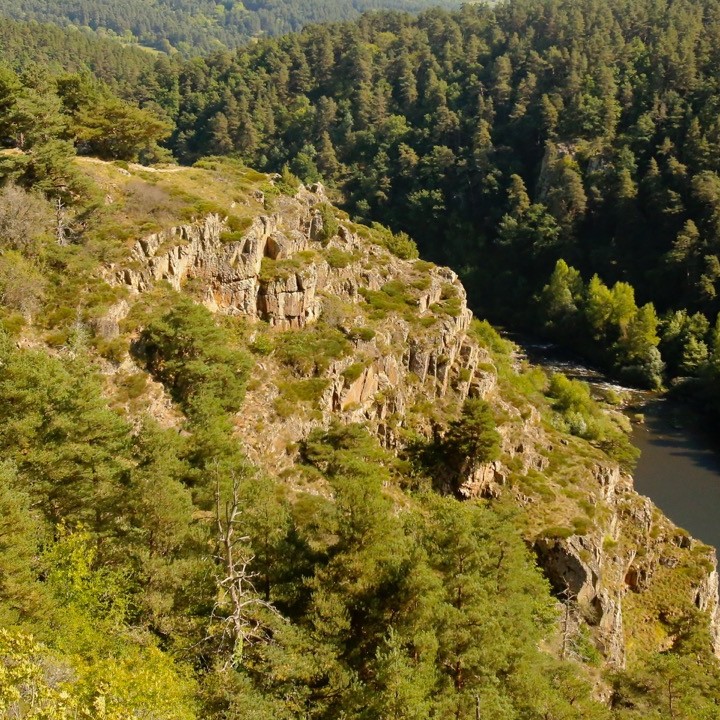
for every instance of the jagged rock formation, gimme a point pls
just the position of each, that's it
(282, 273)
(297, 286)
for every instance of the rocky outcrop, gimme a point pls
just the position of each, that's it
(230, 272)
(278, 272)
(281, 270)
(623, 555)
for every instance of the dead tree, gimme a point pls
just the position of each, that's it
(238, 602)
(568, 597)
(60, 223)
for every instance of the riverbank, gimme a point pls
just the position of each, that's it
(679, 465)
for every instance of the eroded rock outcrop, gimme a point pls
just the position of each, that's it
(283, 271)
(279, 272)
(230, 271)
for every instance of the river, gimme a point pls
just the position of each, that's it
(679, 466)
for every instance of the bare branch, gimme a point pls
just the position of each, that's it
(237, 596)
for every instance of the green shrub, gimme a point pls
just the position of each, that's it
(556, 533)
(423, 265)
(237, 229)
(581, 415)
(581, 525)
(452, 307)
(311, 350)
(448, 291)
(133, 386)
(487, 336)
(364, 333)
(422, 283)
(392, 297)
(58, 338)
(271, 270)
(288, 183)
(262, 345)
(238, 224)
(354, 371)
(114, 350)
(187, 351)
(330, 225)
(12, 323)
(338, 259)
(474, 435)
(400, 244)
(308, 391)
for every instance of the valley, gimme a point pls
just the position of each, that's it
(263, 454)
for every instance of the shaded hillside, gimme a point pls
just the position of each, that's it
(194, 27)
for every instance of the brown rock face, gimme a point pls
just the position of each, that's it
(231, 271)
(280, 272)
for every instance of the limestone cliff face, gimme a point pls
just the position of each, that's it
(231, 271)
(280, 272)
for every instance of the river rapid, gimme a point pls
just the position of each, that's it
(679, 466)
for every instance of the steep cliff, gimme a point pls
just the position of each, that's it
(279, 272)
(404, 358)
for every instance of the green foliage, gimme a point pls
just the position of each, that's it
(329, 222)
(311, 350)
(22, 286)
(339, 259)
(194, 357)
(399, 244)
(25, 220)
(378, 602)
(392, 297)
(262, 345)
(354, 371)
(486, 335)
(579, 166)
(271, 270)
(581, 415)
(288, 183)
(188, 28)
(605, 323)
(68, 565)
(62, 438)
(677, 683)
(238, 229)
(473, 435)
(114, 130)
(36, 683)
(20, 535)
(309, 390)
(365, 334)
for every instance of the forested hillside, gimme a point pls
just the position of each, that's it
(504, 139)
(151, 570)
(259, 461)
(193, 27)
(48, 49)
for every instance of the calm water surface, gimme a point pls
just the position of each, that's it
(679, 468)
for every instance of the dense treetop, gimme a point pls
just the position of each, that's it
(502, 138)
(197, 26)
